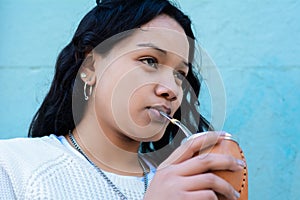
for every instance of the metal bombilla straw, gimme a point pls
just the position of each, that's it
(187, 132)
(184, 129)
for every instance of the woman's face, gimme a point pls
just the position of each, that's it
(140, 76)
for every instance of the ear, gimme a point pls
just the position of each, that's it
(87, 70)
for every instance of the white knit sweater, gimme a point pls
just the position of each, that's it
(47, 168)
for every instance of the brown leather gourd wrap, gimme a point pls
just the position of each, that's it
(238, 179)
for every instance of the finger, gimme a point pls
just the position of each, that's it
(209, 181)
(209, 162)
(195, 144)
(200, 195)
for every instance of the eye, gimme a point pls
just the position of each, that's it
(152, 62)
(180, 75)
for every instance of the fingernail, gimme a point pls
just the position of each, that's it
(241, 163)
(236, 194)
(194, 136)
(222, 133)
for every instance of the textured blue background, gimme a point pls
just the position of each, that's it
(255, 44)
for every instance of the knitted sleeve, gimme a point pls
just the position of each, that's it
(6, 189)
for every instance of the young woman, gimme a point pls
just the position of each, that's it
(99, 133)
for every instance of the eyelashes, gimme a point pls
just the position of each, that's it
(153, 62)
(181, 75)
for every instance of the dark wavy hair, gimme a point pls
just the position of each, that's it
(108, 18)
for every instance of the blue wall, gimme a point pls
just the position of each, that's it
(255, 44)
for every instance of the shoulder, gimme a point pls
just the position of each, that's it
(29, 147)
(26, 154)
(27, 162)
(22, 141)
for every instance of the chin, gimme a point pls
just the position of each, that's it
(151, 133)
(153, 138)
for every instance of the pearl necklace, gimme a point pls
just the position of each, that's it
(104, 176)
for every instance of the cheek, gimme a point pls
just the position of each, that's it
(124, 93)
(103, 104)
(105, 96)
(128, 102)
(138, 103)
(176, 104)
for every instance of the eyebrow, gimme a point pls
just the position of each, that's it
(151, 45)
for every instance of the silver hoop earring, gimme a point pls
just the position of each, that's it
(86, 97)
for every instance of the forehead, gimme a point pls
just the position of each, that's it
(163, 32)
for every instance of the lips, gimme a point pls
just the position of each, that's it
(162, 108)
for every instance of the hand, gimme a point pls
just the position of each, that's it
(185, 176)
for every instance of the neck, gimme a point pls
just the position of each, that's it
(109, 150)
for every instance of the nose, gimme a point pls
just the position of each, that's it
(167, 90)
